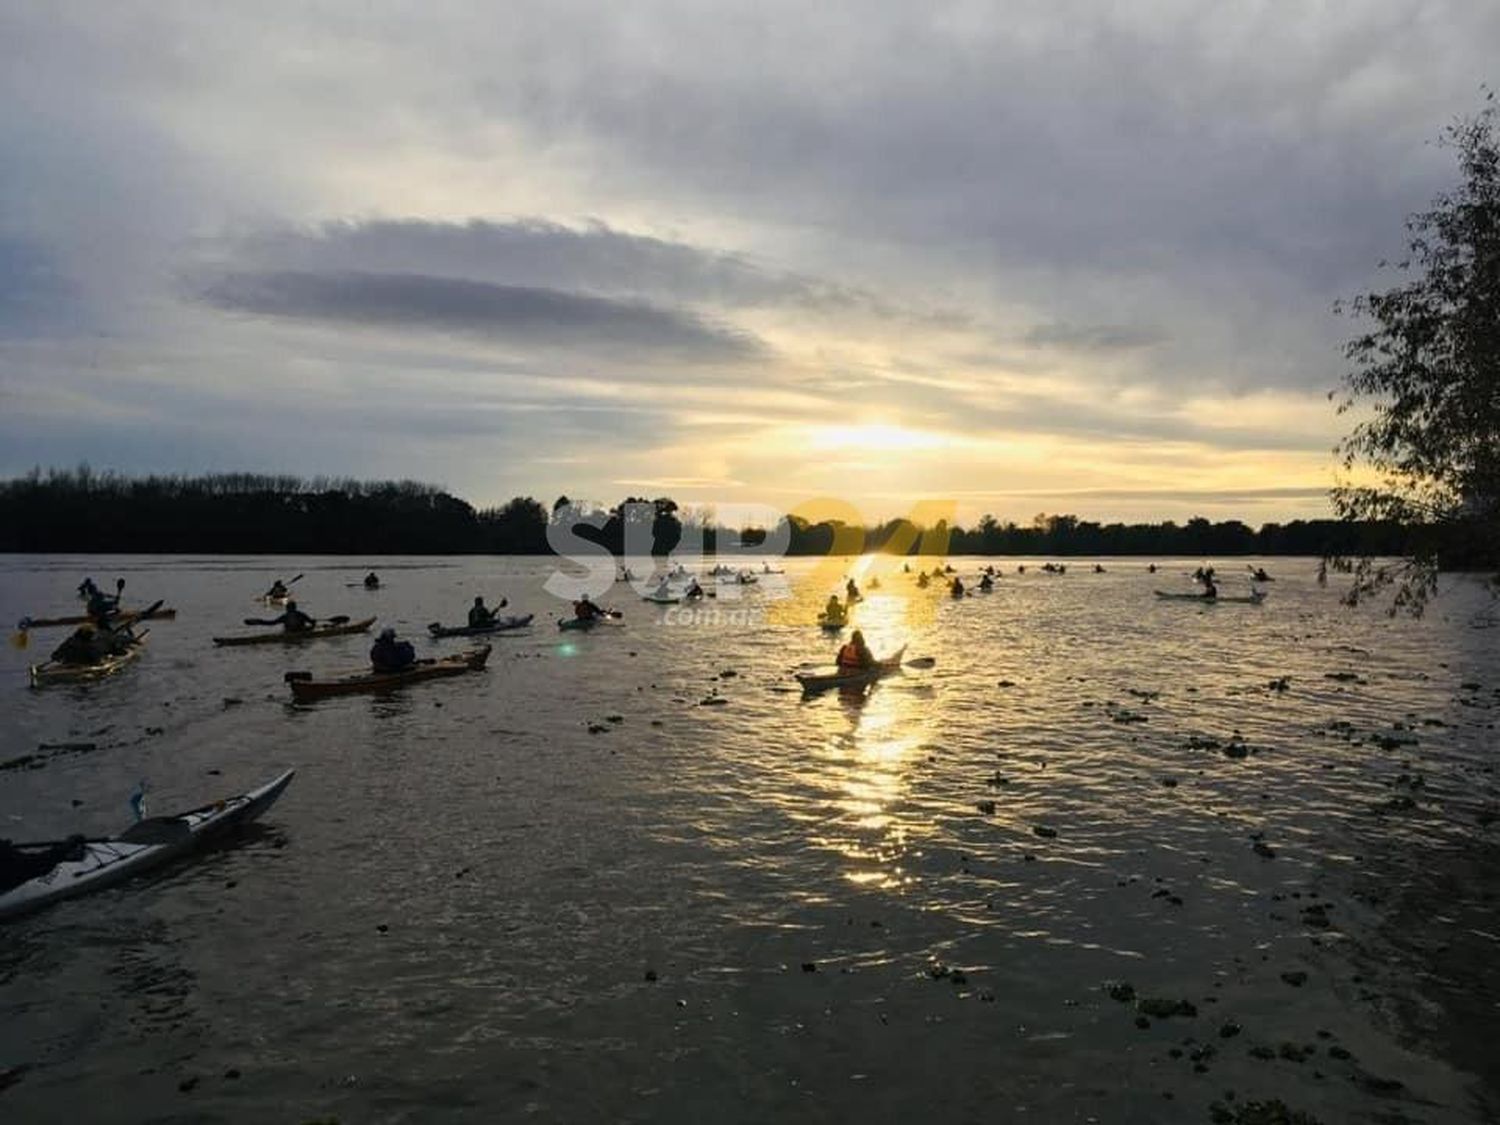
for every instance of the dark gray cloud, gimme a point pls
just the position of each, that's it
(538, 252)
(518, 314)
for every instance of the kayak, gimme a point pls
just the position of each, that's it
(281, 636)
(660, 599)
(812, 682)
(832, 624)
(1241, 599)
(586, 622)
(498, 625)
(146, 844)
(123, 617)
(305, 689)
(56, 672)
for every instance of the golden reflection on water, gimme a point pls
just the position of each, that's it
(867, 760)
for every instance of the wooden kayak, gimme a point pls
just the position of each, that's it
(91, 865)
(499, 625)
(305, 689)
(813, 682)
(56, 672)
(123, 617)
(1254, 598)
(281, 636)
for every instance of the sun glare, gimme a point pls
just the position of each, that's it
(877, 436)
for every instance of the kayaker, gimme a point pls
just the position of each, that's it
(693, 589)
(102, 606)
(1098, 569)
(390, 655)
(480, 615)
(1151, 569)
(834, 610)
(956, 587)
(277, 590)
(1260, 574)
(585, 610)
(87, 589)
(292, 619)
(874, 583)
(663, 591)
(1210, 591)
(906, 568)
(372, 581)
(987, 583)
(851, 592)
(85, 645)
(856, 655)
(923, 581)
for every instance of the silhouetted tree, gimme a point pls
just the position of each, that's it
(1429, 370)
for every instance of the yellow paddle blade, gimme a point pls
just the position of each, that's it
(20, 639)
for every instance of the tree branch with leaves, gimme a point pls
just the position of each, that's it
(1427, 371)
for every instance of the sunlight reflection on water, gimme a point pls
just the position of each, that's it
(1070, 795)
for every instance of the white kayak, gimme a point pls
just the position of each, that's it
(95, 864)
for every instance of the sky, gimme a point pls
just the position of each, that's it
(1009, 258)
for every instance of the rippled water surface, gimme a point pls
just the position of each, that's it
(633, 875)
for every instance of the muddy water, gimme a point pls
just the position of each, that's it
(1111, 858)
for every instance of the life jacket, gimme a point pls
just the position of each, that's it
(849, 656)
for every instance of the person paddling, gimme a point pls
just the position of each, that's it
(103, 606)
(851, 592)
(292, 619)
(481, 615)
(277, 590)
(856, 655)
(987, 583)
(1210, 591)
(586, 610)
(85, 645)
(372, 581)
(956, 587)
(834, 610)
(389, 655)
(693, 589)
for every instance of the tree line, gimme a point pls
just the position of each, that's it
(85, 511)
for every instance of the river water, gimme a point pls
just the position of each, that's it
(632, 875)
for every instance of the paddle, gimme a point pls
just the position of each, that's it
(60, 843)
(145, 613)
(914, 662)
(336, 619)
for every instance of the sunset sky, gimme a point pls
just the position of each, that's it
(1024, 256)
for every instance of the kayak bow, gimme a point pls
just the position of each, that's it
(144, 845)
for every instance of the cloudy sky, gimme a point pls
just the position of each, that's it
(1019, 256)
